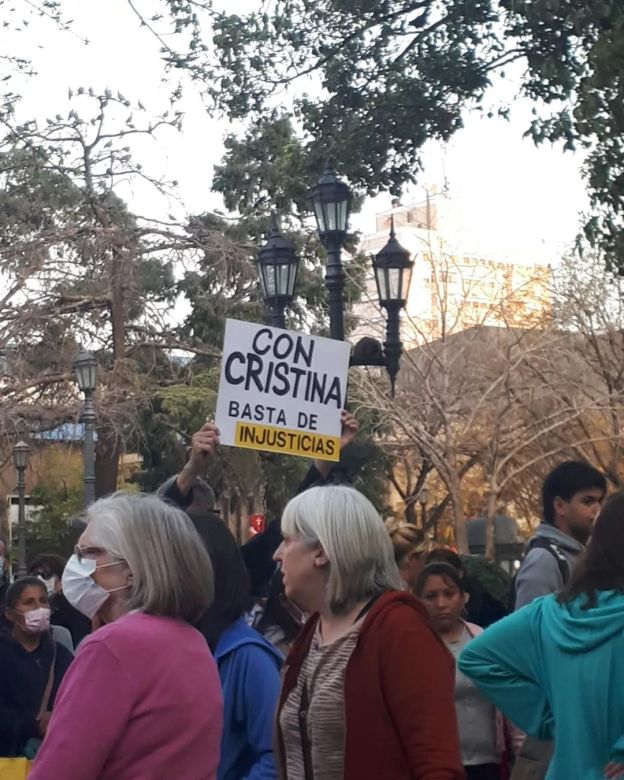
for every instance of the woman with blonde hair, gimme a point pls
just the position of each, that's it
(368, 690)
(409, 546)
(142, 698)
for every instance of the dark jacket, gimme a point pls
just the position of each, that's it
(259, 550)
(482, 608)
(23, 679)
(63, 614)
(398, 696)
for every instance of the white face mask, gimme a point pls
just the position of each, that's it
(50, 584)
(81, 590)
(37, 621)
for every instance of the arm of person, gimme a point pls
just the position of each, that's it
(91, 712)
(502, 662)
(418, 678)
(261, 686)
(203, 447)
(349, 431)
(539, 575)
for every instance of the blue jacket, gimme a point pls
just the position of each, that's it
(249, 668)
(557, 671)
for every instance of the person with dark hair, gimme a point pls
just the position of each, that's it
(481, 735)
(556, 667)
(482, 608)
(278, 620)
(32, 666)
(49, 568)
(572, 494)
(249, 665)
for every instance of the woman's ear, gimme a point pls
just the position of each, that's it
(466, 598)
(320, 557)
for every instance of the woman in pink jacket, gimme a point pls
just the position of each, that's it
(142, 699)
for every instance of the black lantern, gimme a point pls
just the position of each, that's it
(277, 268)
(21, 451)
(331, 199)
(85, 369)
(393, 272)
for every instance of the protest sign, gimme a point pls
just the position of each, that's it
(281, 391)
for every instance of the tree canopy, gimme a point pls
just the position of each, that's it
(370, 82)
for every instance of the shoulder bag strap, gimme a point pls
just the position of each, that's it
(48, 689)
(306, 747)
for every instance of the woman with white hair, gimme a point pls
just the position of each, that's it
(368, 689)
(142, 699)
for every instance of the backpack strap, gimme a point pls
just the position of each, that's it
(48, 689)
(543, 543)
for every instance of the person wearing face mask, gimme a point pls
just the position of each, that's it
(142, 698)
(32, 666)
(49, 568)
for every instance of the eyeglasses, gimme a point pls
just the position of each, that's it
(88, 552)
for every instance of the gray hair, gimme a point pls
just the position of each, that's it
(171, 570)
(352, 534)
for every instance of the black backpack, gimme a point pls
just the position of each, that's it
(541, 543)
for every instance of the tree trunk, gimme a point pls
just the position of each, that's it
(107, 452)
(107, 456)
(455, 491)
(411, 515)
(490, 521)
(459, 517)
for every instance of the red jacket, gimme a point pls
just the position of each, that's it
(399, 696)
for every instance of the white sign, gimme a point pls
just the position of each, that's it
(281, 391)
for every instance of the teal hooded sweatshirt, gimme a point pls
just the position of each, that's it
(557, 672)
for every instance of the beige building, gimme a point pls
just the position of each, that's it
(452, 289)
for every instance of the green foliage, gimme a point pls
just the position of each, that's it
(489, 575)
(374, 80)
(394, 74)
(50, 531)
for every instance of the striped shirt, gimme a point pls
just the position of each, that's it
(323, 671)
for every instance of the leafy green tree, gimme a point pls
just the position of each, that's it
(371, 81)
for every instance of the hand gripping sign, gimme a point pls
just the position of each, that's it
(281, 391)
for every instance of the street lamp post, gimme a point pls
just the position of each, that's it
(21, 452)
(277, 268)
(393, 273)
(85, 369)
(277, 264)
(331, 199)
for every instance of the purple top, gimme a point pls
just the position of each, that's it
(141, 700)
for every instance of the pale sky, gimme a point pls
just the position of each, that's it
(510, 198)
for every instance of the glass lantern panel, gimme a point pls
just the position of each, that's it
(270, 281)
(394, 284)
(407, 280)
(282, 280)
(319, 213)
(382, 283)
(342, 215)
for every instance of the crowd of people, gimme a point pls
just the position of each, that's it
(330, 646)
